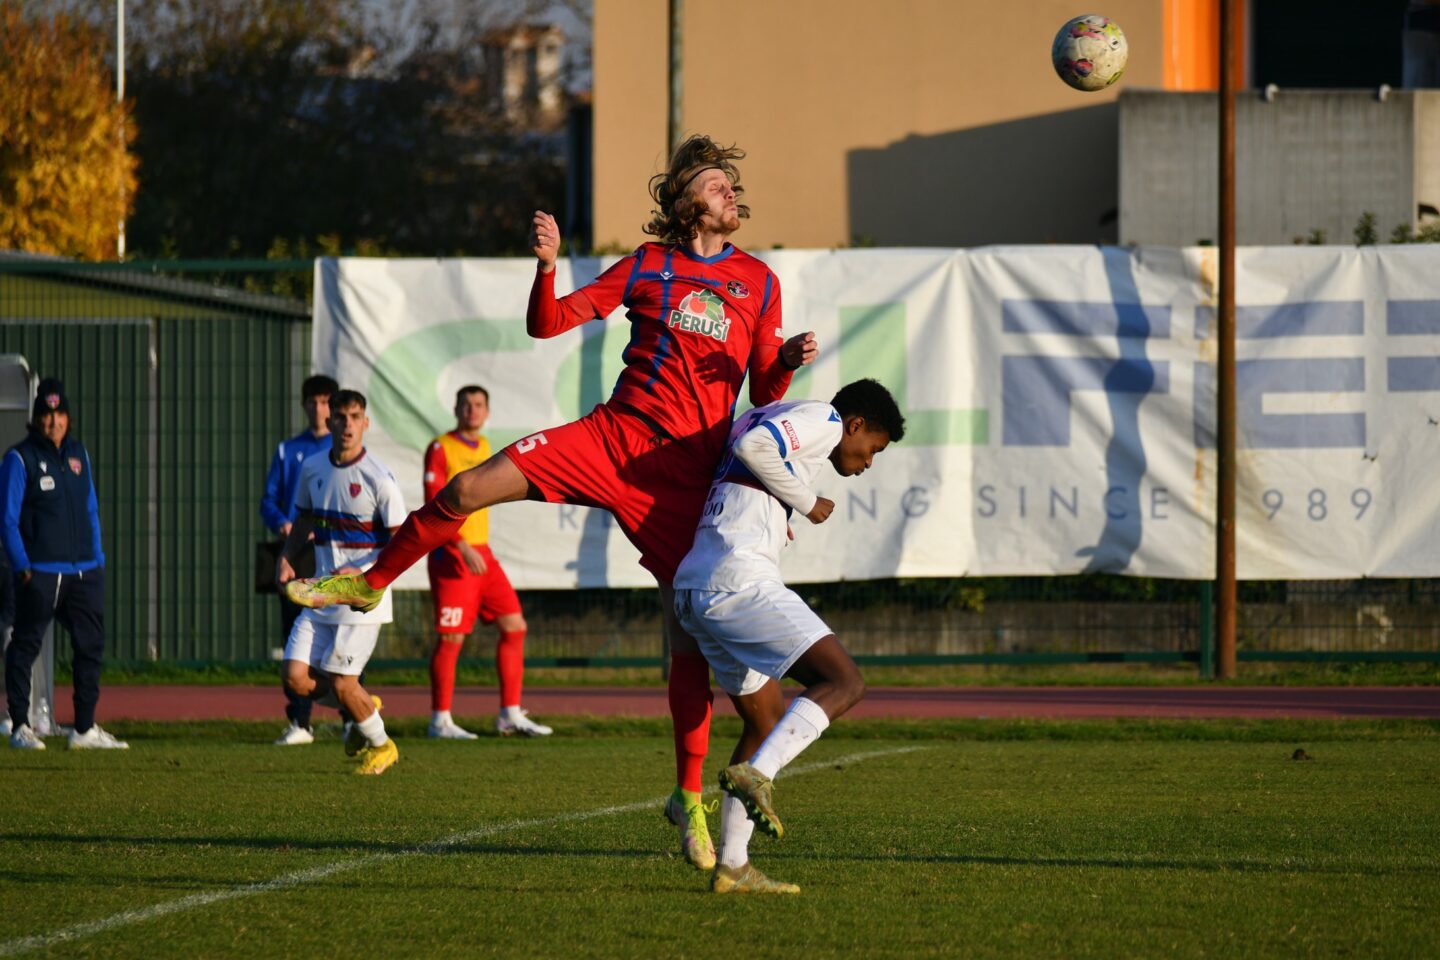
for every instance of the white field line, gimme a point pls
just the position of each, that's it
(125, 918)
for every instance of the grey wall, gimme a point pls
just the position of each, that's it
(1313, 159)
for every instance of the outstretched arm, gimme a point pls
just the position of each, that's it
(547, 316)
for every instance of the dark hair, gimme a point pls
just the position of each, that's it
(465, 391)
(869, 399)
(678, 216)
(341, 399)
(318, 386)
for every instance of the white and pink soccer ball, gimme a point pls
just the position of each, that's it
(1089, 52)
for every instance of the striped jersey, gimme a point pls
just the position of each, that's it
(449, 454)
(776, 454)
(697, 326)
(354, 506)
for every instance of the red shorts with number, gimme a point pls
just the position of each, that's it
(652, 484)
(460, 596)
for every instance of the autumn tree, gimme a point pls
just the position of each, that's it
(67, 175)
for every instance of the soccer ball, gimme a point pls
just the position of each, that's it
(1090, 52)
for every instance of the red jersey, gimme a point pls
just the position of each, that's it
(697, 325)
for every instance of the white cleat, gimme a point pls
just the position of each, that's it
(518, 721)
(96, 739)
(24, 738)
(295, 736)
(450, 730)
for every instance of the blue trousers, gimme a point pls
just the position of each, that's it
(77, 600)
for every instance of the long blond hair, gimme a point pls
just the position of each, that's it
(677, 218)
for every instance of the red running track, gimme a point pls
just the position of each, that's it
(252, 703)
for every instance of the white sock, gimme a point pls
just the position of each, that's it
(801, 726)
(735, 831)
(440, 718)
(373, 727)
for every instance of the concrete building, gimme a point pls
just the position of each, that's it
(1309, 164)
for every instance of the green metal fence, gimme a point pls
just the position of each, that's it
(183, 376)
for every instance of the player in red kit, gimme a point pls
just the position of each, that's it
(703, 314)
(467, 583)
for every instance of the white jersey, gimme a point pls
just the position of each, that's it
(775, 454)
(354, 507)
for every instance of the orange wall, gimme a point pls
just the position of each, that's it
(843, 103)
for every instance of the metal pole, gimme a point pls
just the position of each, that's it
(673, 127)
(1225, 413)
(120, 99)
(677, 85)
(1207, 630)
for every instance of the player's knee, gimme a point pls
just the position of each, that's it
(471, 489)
(512, 623)
(343, 683)
(297, 679)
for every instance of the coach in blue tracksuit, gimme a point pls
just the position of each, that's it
(51, 531)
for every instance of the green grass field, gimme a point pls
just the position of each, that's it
(974, 838)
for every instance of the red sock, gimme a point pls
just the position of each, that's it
(424, 530)
(510, 664)
(690, 699)
(442, 673)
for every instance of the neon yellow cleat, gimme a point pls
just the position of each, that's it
(376, 760)
(350, 589)
(695, 841)
(753, 788)
(746, 879)
(355, 740)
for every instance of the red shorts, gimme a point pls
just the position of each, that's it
(460, 596)
(654, 485)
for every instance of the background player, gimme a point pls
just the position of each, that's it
(467, 581)
(703, 313)
(753, 629)
(351, 502)
(277, 509)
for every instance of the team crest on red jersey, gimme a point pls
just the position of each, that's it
(737, 289)
(354, 489)
(76, 465)
(702, 312)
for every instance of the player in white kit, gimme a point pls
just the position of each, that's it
(753, 629)
(352, 503)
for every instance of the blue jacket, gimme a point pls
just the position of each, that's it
(51, 517)
(277, 506)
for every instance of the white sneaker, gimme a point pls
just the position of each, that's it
(450, 730)
(24, 738)
(96, 739)
(295, 736)
(519, 722)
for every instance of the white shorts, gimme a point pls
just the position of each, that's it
(341, 648)
(751, 635)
